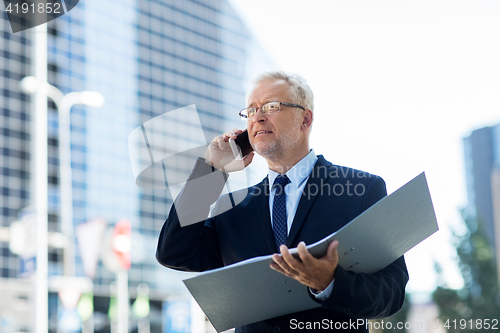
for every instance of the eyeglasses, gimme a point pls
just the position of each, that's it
(268, 108)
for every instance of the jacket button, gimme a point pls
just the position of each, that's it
(276, 329)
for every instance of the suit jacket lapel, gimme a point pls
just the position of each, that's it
(261, 193)
(318, 177)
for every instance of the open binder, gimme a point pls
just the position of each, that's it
(250, 291)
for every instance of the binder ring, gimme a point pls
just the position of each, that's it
(346, 253)
(350, 267)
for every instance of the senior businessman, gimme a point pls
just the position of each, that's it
(282, 212)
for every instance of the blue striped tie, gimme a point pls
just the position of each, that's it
(279, 210)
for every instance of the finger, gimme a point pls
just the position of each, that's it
(305, 256)
(332, 252)
(217, 139)
(284, 266)
(277, 268)
(248, 159)
(229, 135)
(232, 134)
(290, 259)
(222, 143)
(237, 131)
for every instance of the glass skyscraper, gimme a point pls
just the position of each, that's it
(482, 169)
(482, 156)
(146, 58)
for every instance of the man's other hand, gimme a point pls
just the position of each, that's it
(314, 273)
(220, 155)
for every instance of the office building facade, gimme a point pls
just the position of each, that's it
(482, 167)
(146, 58)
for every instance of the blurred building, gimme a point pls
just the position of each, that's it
(14, 170)
(482, 168)
(146, 58)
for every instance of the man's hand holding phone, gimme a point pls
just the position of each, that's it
(220, 155)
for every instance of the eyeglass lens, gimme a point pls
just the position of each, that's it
(267, 108)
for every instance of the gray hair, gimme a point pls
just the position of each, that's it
(300, 93)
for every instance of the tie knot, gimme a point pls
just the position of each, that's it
(281, 180)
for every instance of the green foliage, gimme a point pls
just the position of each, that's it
(479, 298)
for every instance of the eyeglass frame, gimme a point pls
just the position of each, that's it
(245, 117)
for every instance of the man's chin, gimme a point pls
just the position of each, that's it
(261, 148)
(266, 150)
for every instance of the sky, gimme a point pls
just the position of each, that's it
(398, 84)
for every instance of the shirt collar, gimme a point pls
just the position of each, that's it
(299, 172)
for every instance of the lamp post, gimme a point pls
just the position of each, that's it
(39, 173)
(31, 85)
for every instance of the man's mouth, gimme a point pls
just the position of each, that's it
(262, 132)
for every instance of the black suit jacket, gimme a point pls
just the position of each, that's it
(333, 196)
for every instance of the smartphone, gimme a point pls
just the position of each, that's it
(241, 146)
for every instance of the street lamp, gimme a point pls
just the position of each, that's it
(30, 85)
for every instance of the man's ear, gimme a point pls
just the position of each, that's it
(307, 119)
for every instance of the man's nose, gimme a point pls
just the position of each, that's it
(258, 116)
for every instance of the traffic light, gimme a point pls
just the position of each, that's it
(121, 243)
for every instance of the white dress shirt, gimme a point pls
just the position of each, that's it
(298, 175)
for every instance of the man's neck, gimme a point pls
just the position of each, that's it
(283, 165)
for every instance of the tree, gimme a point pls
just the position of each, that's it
(479, 298)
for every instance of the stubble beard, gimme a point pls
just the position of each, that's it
(278, 149)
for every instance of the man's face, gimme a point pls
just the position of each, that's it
(274, 136)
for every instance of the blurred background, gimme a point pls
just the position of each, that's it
(400, 87)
